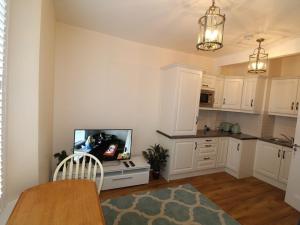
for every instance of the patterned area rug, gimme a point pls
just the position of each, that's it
(182, 205)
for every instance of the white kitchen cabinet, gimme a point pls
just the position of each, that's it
(267, 159)
(219, 87)
(208, 82)
(206, 151)
(232, 95)
(253, 94)
(222, 151)
(240, 157)
(234, 155)
(284, 97)
(285, 165)
(272, 163)
(183, 156)
(179, 100)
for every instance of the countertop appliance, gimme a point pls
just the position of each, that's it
(207, 98)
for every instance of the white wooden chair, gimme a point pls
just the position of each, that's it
(86, 169)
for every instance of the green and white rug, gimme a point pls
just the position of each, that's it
(182, 205)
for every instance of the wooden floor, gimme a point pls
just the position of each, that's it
(249, 200)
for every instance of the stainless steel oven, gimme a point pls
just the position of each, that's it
(207, 98)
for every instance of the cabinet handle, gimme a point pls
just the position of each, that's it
(297, 106)
(283, 156)
(238, 147)
(205, 85)
(196, 145)
(251, 103)
(208, 146)
(292, 106)
(206, 158)
(279, 153)
(224, 100)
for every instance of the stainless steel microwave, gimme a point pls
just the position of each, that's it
(207, 98)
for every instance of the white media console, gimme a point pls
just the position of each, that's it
(117, 176)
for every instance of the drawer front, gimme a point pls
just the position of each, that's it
(207, 164)
(125, 180)
(207, 156)
(207, 148)
(208, 140)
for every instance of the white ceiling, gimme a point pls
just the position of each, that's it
(173, 23)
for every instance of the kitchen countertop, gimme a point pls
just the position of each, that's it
(267, 139)
(210, 134)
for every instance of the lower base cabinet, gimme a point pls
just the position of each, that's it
(240, 157)
(183, 156)
(192, 157)
(272, 163)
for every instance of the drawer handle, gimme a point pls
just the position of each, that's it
(205, 85)
(208, 146)
(122, 178)
(206, 158)
(208, 140)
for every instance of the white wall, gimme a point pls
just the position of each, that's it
(30, 93)
(106, 82)
(46, 89)
(22, 107)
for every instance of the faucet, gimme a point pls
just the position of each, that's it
(290, 139)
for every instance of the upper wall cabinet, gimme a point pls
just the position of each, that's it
(179, 100)
(253, 94)
(208, 82)
(284, 97)
(232, 96)
(219, 87)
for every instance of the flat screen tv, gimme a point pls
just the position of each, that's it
(105, 144)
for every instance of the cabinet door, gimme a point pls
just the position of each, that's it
(232, 95)
(249, 91)
(267, 159)
(222, 150)
(188, 102)
(219, 86)
(298, 99)
(208, 82)
(183, 157)
(283, 96)
(285, 165)
(234, 154)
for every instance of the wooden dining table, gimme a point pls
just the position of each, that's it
(68, 202)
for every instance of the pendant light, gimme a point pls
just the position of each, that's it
(258, 60)
(211, 29)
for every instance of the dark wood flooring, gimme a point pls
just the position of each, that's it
(249, 200)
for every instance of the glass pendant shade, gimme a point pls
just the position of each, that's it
(211, 29)
(258, 60)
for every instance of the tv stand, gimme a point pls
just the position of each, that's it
(117, 176)
(111, 163)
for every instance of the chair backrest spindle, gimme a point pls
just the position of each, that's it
(67, 171)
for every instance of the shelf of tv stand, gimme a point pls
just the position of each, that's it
(118, 176)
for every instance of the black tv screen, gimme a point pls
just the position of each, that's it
(105, 144)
